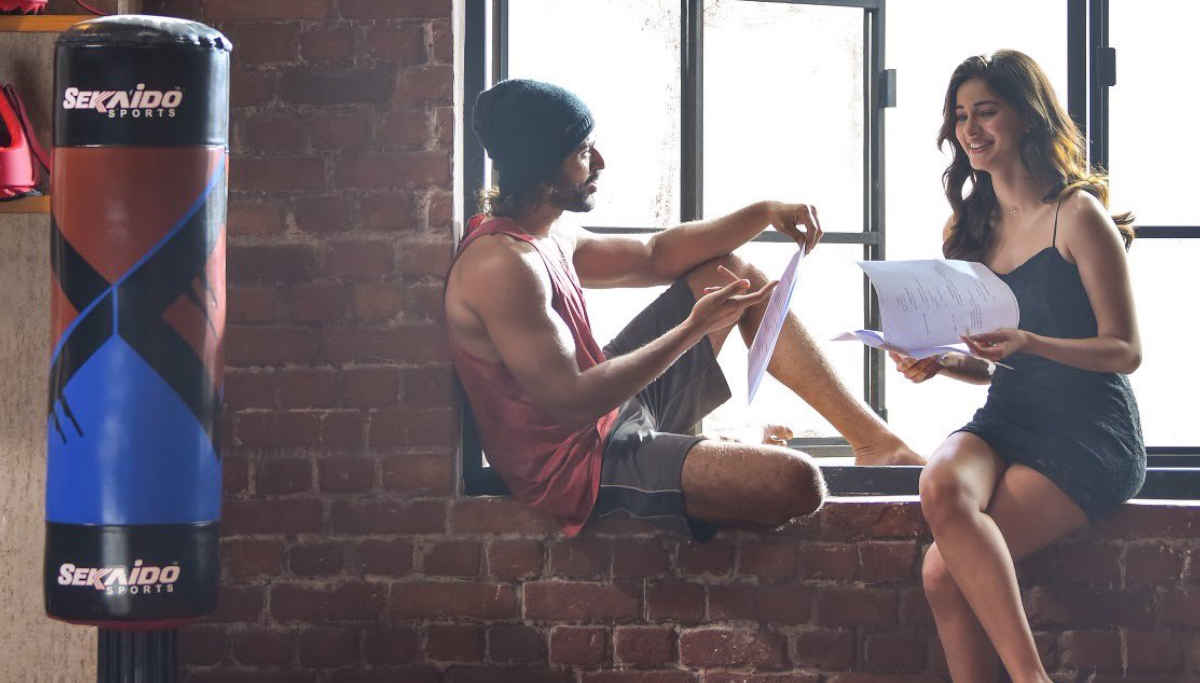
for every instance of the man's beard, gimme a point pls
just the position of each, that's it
(574, 198)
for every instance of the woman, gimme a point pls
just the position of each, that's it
(1058, 442)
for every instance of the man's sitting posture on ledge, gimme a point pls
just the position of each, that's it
(583, 433)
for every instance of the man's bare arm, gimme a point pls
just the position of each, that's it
(612, 261)
(510, 291)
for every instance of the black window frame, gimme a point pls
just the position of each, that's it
(1174, 471)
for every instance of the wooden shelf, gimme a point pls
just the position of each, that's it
(40, 23)
(27, 205)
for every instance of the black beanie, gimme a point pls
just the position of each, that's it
(528, 127)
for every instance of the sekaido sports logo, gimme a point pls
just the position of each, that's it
(138, 103)
(121, 580)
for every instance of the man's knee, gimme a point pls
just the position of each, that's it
(799, 490)
(706, 274)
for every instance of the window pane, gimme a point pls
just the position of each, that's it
(783, 108)
(622, 58)
(1167, 374)
(828, 300)
(1151, 167)
(916, 208)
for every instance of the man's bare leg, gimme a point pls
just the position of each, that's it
(736, 484)
(800, 366)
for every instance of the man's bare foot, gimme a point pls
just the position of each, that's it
(886, 453)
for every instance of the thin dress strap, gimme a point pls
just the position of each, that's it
(1054, 238)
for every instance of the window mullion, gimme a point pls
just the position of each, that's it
(691, 109)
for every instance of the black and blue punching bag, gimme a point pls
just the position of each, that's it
(139, 187)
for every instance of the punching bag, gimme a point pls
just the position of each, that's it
(139, 187)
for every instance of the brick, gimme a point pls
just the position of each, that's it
(201, 645)
(340, 129)
(416, 343)
(374, 387)
(823, 648)
(888, 561)
(417, 169)
(1153, 652)
(254, 218)
(914, 607)
(403, 44)
(303, 174)
(514, 560)
(453, 558)
(290, 475)
(391, 212)
(644, 646)
(235, 475)
(859, 520)
(346, 474)
(360, 260)
(348, 601)
(427, 600)
(263, 647)
(498, 515)
(318, 303)
(894, 653)
(272, 136)
(1152, 563)
(269, 345)
(576, 601)
(388, 517)
(770, 561)
(735, 648)
(291, 516)
(324, 44)
(1138, 520)
(639, 677)
(675, 601)
(418, 474)
(251, 89)
(586, 646)
(239, 603)
(1080, 607)
(409, 129)
(430, 85)
(443, 42)
(329, 647)
(424, 302)
(637, 558)
(249, 390)
(583, 558)
(316, 559)
(391, 558)
(714, 558)
(270, 264)
(392, 644)
(1091, 650)
(323, 215)
(781, 603)
(837, 561)
(506, 674)
(380, 301)
(885, 678)
(371, 9)
(417, 673)
(456, 643)
(441, 204)
(249, 558)
(762, 678)
(432, 258)
(261, 43)
(847, 606)
(278, 430)
(344, 430)
(252, 305)
(432, 384)
(1178, 607)
(1091, 563)
(236, 10)
(516, 643)
(221, 675)
(342, 86)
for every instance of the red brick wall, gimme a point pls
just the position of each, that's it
(347, 555)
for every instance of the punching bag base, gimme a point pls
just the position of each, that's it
(131, 577)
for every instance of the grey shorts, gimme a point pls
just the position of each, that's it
(642, 474)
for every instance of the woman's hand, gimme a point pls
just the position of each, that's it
(916, 370)
(787, 218)
(998, 344)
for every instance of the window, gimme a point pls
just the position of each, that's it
(706, 105)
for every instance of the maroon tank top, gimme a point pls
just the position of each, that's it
(549, 466)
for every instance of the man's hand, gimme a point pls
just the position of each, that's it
(721, 307)
(916, 370)
(787, 218)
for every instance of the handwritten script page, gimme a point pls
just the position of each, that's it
(763, 346)
(927, 305)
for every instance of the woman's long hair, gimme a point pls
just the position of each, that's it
(1053, 149)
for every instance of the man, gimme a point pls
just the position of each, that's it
(584, 433)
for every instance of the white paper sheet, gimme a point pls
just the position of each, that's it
(763, 346)
(927, 305)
